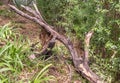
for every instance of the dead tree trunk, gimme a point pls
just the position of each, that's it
(80, 63)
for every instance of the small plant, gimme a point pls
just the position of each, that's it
(41, 76)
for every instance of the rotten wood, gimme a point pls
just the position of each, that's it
(80, 64)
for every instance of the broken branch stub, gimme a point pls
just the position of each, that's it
(80, 64)
(87, 44)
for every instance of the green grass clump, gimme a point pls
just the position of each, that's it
(14, 52)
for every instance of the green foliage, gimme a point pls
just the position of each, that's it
(12, 52)
(108, 69)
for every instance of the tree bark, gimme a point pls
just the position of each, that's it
(80, 63)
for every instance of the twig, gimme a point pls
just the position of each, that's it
(38, 12)
(31, 11)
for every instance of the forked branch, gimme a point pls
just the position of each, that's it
(79, 63)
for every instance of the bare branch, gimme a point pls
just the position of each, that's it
(46, 27)
(31, 11)
(21, 13)
(87, 44)
(38, 12)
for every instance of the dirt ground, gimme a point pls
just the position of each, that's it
(26, 27)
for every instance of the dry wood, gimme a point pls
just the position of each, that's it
(81, 64)
(87, 44)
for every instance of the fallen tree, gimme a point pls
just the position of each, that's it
(80, 63)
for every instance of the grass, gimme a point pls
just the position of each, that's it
(39, 78)
(14, 52)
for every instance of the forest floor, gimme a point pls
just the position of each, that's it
(60, 69)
